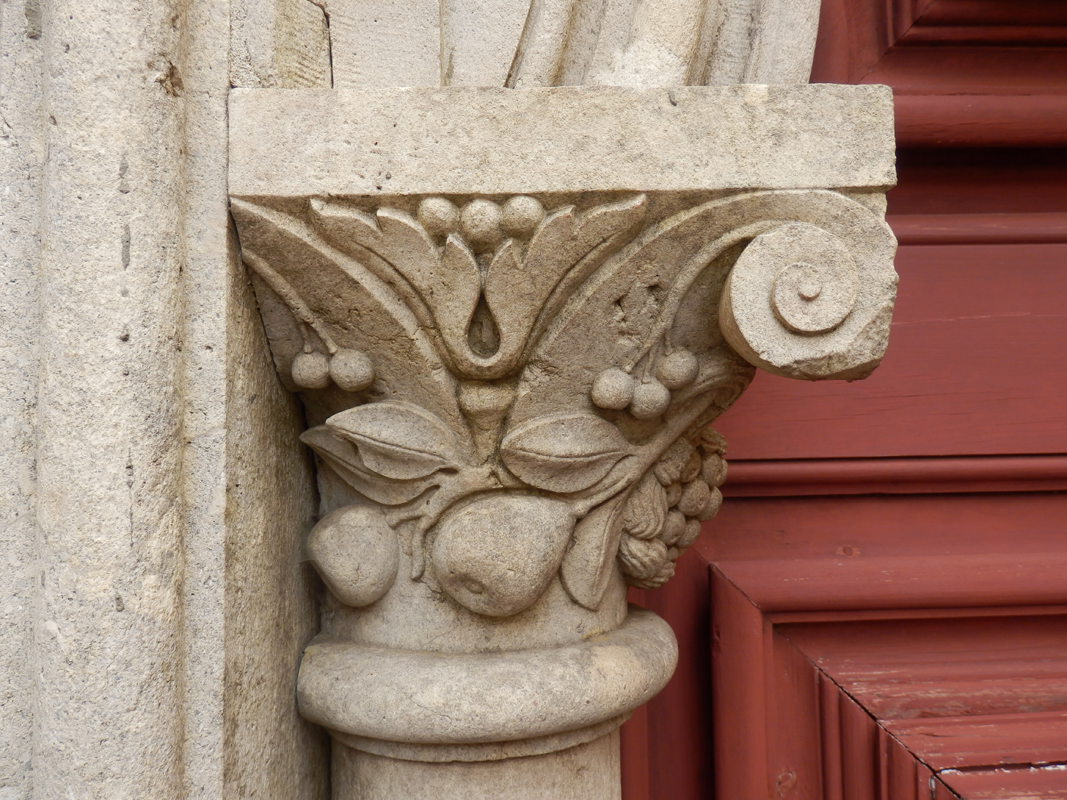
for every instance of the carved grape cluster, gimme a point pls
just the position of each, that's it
(483, 224)
(350, 370)
(617, 389)
(662, 517)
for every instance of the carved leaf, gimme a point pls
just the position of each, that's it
(456, 292)
(588, 565)
(359, 302)
(646, 509)
(516, 292)
(566, 249)
(398, 440)
(343, 225)
(450, 286)
(346, 462)
(393, 235)
(564, 452)
(400, 240)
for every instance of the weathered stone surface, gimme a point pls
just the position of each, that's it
(283, 43)
(423, 698)
(765, 41)
(386, 42)
(266, 600)
(109, 452)
(527, 44)
(538, 369)
(829, 304)
(21, 156)
(496, 141)
(588, 770)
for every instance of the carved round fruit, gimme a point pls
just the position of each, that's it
(613, 389)
(673, 527)
(497, 554)
(641, 558)
(311, 370)
(356, 553)
(645, 510)
(438, 216)
(695, 495)
(666, 572)
(711, 508)
(480, 222)
(714, 469)
(522, 214)
(692, 531)
(674, 494)
(671, 464)
(692, 467)
(678, 370)
(352, 370)
(650, 400)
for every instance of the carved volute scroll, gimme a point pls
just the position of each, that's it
(508, 395)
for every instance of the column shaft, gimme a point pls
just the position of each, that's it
(108, 720)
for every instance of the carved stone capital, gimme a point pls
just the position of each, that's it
(509, 353)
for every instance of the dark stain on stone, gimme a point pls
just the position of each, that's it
(171, 80)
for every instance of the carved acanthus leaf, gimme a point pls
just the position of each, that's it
(562, 253)
(398, 239)
(587, 566)
(358, 307)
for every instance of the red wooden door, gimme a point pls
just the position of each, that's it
(880, 610)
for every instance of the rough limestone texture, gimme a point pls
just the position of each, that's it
(508, 375)
(154, 602)
(389, 142)
(581, 772)
(523, 43)
(473, 698)
(270, 595)
(21, 156)
(283, 43)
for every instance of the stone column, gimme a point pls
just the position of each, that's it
(109, 415)
(151, 509)
(511, 316)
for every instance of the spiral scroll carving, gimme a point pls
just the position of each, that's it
(817, 291)
(813, 301)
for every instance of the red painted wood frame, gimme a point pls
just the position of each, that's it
(889, 544)
(933, 489)
(928, 636)
(964, 72)
(897, 672)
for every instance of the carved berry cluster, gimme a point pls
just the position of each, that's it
(483, 224)
(663, 515)
(350, 370)
(617, 389)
